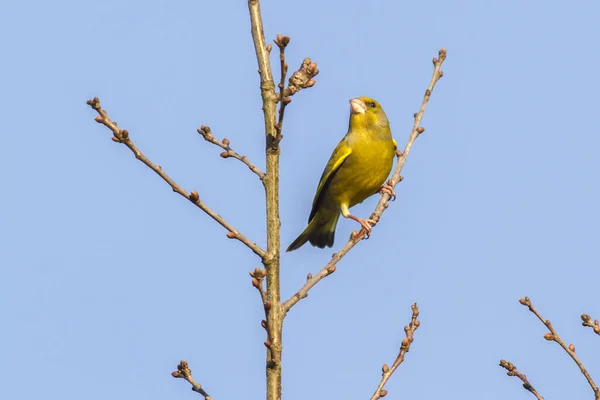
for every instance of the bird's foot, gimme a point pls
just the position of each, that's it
(367, 225)
(389, 190)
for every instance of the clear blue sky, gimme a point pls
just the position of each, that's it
(108, 279)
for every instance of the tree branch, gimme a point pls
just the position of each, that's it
(184, 372)
(587, 321)
(206, 133)
(122, 136)
(383, 202)
(513, 371)
(272, 259)
(404, 348)
(570, 349)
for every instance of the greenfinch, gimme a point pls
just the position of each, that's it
(356, 170)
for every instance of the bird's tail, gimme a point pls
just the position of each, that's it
(320, 232)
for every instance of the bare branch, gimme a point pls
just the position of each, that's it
(281, 42)
(513, 371)
(206, 133)
(383, 203)
(404, 348)
(570, 349)
(258, 278)
(184, 372)
(122, 136)
(587, 321)
(272, 259)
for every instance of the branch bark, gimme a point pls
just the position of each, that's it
(272, 259)
(383, 202)
(570, 349)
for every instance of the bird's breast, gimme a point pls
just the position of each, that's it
(363, 172)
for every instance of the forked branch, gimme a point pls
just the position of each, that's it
(122, 136)
(570, 349)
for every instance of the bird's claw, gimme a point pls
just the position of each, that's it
(389, 190)
(367, 226)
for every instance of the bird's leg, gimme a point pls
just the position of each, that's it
(366, 224)
(388, 189)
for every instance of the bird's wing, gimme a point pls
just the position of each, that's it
(340, 154)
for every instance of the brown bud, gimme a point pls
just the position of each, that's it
(124, 133)
(225, 141)
(231, 235)
(417, 323)
(268, 305)
(585, 317)
(269, 47)
(549, 336)
(309, 276)
(176, 374)
(383, 393)
(224, 154)
(255, 283)
(385, 368)
(310, 83)
(268, 344)
(285, 40)
(405, 342)
(258, 272)
(420, 129)
(194, 197)
(441, 74)
(525, 301)
(428, 93)
(263, 323)
(572, 347)
(287, 100)
(415, 115)
(99, 119)
(435, 60)
(115, 139)
(331, 270)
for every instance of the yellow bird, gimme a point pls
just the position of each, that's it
(357, 169)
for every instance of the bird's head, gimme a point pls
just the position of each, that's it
(366, 113)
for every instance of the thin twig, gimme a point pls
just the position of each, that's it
(383, 202)
(281, 42)
(587, 321)
(570, 349)
(258, 278)
(513, 371)
(404, 348)
(122, 136)
(184, 372)
(206, 133)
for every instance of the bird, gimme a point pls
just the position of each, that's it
(356, 170)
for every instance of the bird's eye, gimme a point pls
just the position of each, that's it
(372, 104)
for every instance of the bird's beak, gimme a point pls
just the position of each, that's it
(358, 106)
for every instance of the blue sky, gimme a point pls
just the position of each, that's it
(109, 279)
